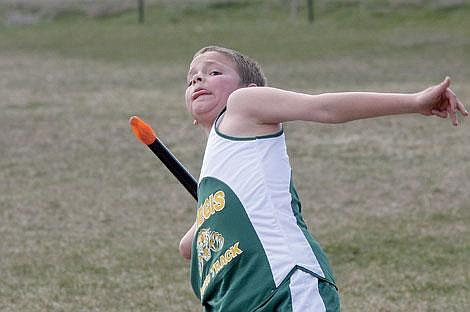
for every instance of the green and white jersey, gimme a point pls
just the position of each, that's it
(250, 233)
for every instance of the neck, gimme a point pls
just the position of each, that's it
(206, 129)
(206, 124)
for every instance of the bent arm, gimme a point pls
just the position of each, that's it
(186, 243)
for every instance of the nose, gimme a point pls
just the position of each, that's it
(196, 78)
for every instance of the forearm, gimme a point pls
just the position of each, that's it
(347, 106)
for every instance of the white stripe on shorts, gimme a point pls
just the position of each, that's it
(304, 293)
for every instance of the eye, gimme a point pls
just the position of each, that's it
(215, 73)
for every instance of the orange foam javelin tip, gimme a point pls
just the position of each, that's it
(142, 130)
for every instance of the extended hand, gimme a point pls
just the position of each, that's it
(440, 100)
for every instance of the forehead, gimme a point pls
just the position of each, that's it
(211, 58)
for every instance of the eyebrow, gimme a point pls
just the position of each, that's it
(208, 63)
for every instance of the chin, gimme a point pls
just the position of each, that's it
(203, 108)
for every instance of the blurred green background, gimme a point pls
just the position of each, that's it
(90, 220)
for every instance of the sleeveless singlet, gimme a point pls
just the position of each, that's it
(250, 233)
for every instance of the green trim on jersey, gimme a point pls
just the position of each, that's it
(317, 250)
(228, 259)
(280, 299)
(250, 138)
(267, 136)
(330, 296)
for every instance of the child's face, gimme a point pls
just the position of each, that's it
(212, 77)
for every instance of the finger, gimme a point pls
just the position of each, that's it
(452, 104)
(459, 105)
(453, 118)
(438, 113)
(461, 108)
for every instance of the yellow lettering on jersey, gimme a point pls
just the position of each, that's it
(235, 250)
(215, 267)
(225, 259)
(212, 204)
(206, 208)
(219, 201)
(231, 253)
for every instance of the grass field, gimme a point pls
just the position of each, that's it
(90, 220)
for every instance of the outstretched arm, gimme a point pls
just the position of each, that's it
(272, 106)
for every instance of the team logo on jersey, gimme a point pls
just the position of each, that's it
(207, 242)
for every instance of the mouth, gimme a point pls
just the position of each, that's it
(198, 93)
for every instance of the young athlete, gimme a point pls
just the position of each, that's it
(250, 249)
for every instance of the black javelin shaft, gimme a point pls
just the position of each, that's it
(178, 170)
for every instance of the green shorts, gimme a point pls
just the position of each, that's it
(301, 291)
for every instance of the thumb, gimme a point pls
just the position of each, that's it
(440, 88)
(445, 83)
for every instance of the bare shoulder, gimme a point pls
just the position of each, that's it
(241, 118)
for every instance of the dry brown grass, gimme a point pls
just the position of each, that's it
(90, 220)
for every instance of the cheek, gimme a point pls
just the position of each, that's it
(231, 90)
(228, 86)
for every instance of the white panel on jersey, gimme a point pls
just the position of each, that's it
(258, 171)
(305, 294)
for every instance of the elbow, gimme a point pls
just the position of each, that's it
(335, 116)
(185, 249)
(326, 113)
(187, 242)
(330, 117)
